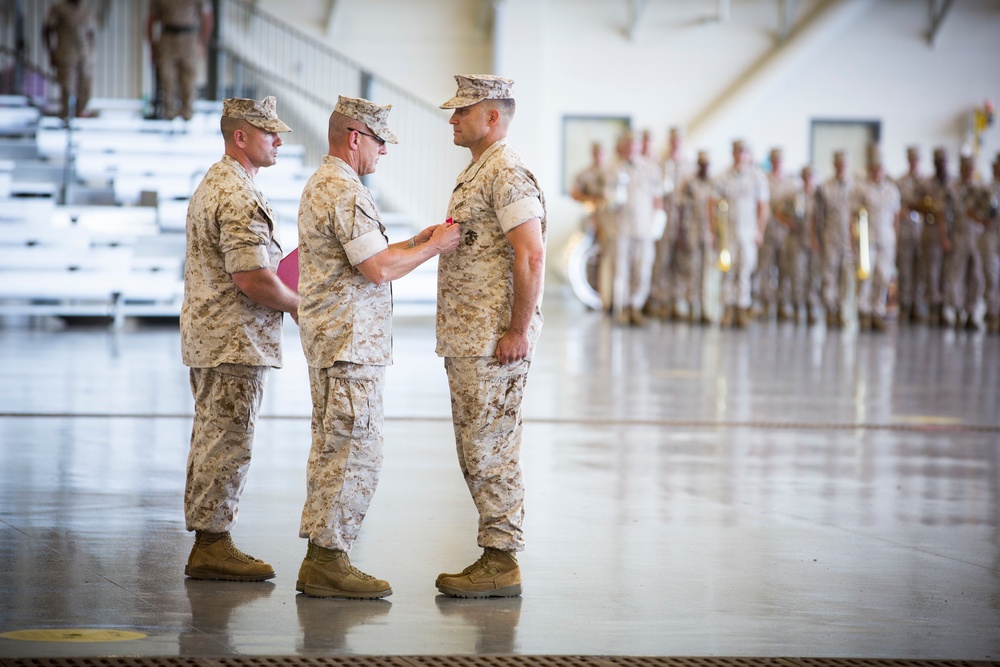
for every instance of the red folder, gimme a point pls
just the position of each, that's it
(288, 269)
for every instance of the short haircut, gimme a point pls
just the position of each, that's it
(505, 107)
(230, 125)
(339, 123)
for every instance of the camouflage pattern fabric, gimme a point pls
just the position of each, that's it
(345, 460)
(964, 279)
(475, 282)
(486, 411)
(230, 228)
(227, 401)
(73, 57)
(834, 221)
(343, 316)
(882, 202)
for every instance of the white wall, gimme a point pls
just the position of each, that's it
(849, 59)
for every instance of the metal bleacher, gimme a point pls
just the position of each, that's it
(92, 215)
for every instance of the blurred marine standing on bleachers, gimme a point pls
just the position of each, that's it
(69, 37)
(178, 33)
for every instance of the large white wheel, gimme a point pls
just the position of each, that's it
(581, 259)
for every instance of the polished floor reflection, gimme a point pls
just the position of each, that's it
(778, 491)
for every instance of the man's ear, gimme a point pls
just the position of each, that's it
(493, 117)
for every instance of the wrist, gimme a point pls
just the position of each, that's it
(413, 242)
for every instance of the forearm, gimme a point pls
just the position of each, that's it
(529, 273)
(396, 261)
(265, 288)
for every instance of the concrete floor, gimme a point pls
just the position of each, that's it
(778, 491)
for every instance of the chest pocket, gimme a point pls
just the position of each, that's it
(366, 218)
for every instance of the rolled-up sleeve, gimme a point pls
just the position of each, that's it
(363, 247)
(519, 212)
(248, 258)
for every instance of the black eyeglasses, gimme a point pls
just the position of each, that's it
(380, 140)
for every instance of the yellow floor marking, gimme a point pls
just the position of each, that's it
(73, 635)
(927, 419)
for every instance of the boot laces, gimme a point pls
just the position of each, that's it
(236, 552)
(480, 565)
(358, 573)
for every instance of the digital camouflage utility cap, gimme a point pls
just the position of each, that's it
(374, 116)
(261, 114)
(474, 88)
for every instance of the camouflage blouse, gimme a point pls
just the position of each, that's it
(230, 228)
(475, 295)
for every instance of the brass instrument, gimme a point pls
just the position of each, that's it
(864, 257)
(800, 206)
(722, 229)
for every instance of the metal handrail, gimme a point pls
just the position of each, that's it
(417, 176)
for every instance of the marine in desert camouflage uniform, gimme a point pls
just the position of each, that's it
(880, 199)
(230, 332)
(488, 322)
(964, 278)
(345, 265)
(773, 282)
(833, 219)
(694, 240)
(800, 261)
(744, 189)
(69, 35)
(635, 205)
(178, 32)
(990, 249)
(935, 205)
(908, 239)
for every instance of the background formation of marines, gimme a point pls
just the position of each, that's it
(851, 248)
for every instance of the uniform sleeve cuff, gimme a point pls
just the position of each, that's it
(363, 247)
(521, 211)
(249, 258)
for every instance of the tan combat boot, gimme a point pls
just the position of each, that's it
(331, 575)
(214, 556)
(306, 567)
(495, 574)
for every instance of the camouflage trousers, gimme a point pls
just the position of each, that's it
(930, 266)
(345, 460)
(737, 282)
(769, 268)
(633, 272)
(838, 262)
(801, 271)
(907, 250)
(964, 277)
(873, 293)
(486, 412)
(76, 81)
(226, 404)
(689, 272)
(989, 248)
(177, 69)
(660, 288)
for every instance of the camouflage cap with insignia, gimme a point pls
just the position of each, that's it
(374, 116)
(474, 88)
(261, 114)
